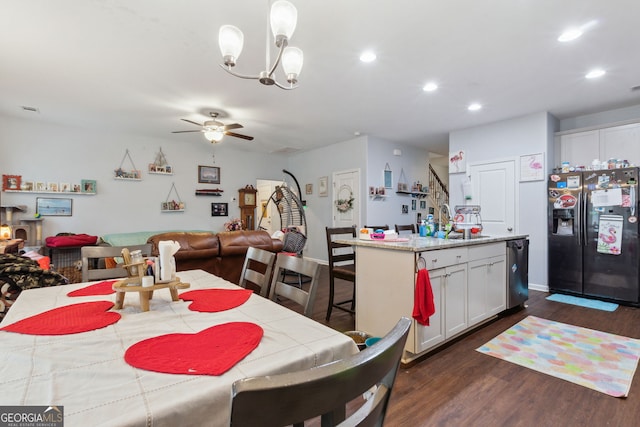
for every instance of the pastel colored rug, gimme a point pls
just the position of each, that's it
(590, 358)
(70, 319)
(212, 300)
(212, 351)
(583, 302)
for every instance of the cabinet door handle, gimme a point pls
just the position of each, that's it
(434, 260)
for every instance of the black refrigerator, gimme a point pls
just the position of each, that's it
(593, 234)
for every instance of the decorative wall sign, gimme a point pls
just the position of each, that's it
(387, 176)
(532, 167)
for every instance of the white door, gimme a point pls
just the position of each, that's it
(268, 214)
(494, 189)
(346, 189)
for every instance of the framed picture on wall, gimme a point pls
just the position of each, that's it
(323, 186)
(47, 206)
(219, 209)
(532, 167)
(208, 175)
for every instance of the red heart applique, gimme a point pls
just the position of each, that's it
(102, 288)
(212, 300)
(212, 351)
(70, 319)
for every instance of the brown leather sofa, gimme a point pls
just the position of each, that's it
(221, 254)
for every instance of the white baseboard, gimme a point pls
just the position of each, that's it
(536, 287)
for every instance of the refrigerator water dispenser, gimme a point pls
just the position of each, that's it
(563, 221)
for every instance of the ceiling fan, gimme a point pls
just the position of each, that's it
(214, 130)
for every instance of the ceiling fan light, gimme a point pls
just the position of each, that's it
(283, 18)
(214, 135)
(231, 41)
(292, 60)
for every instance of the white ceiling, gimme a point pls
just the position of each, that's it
(139, 66)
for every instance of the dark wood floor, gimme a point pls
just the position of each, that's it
(458, 386)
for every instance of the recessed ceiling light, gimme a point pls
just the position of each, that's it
(368, 56)
(570, 34)
(474, 107)
(594, 74)
(430, 87)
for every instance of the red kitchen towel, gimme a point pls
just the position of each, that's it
(423, 305)
(212, 351)
(102, 288)
(70, 319)
(212, 300)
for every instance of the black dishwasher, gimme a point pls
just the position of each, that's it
(517, 272)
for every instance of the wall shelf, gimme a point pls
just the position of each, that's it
(377, 196)
(61, 193)
(416, 194)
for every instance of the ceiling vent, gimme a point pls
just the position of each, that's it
(285, 150)
(635, 88)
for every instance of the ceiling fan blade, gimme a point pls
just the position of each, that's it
(233, 126)
(237, 135)
(185, 131)
(191, 121)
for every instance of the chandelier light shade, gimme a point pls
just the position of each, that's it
(282, 20)
(231, 41)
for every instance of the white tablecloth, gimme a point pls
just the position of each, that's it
(87, 375)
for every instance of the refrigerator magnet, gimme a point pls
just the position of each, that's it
(554, 178)
(573, 181)
(562, 184)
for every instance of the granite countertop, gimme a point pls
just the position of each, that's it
(419, 244)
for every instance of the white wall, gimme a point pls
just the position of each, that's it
(308, 167)
(508, 140)
(413, 161)
(44, 152)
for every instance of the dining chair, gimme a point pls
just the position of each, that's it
(92, 255)
(407, 227)
(342, 265)
(292, 398)
(305, 295)
(377, 227)
(257, 268)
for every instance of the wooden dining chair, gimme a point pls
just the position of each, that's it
(94, 265)
(304, 295)
(377, 227)
(408, 227)
(257, 268)
(292, 398)
(342, 265)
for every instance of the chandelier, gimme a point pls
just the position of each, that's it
(282, 21)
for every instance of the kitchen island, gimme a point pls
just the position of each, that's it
(468, 279)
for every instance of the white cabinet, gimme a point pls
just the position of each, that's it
(449, 286)
(580, 148)
(487, 283)
(621, 142)
(617, 142)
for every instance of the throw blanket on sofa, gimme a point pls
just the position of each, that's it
(18, 273)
